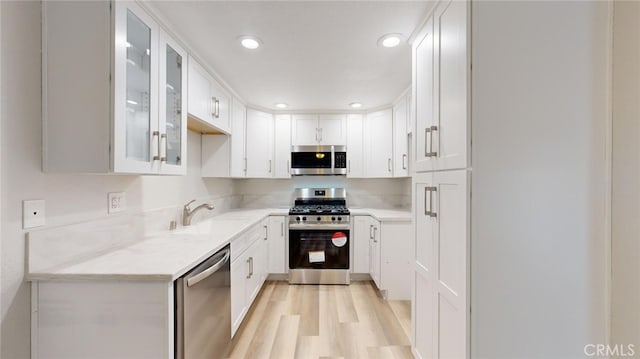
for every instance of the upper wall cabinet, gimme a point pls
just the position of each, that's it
(209, 104)
(282, 146)
(440, 82)
(355, 146)
(378, 144)
(309, 130)
(113, 91)
(400, 138)
(259, 144)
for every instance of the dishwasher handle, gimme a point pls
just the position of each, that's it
(209, 271)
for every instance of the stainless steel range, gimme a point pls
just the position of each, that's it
(319, 237)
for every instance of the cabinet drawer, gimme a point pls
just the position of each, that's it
(240, 244)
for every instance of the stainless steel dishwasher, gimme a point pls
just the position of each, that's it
(203, 309)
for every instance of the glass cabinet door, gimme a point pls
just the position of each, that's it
(136, 138)
(173, 111)
(138, 104)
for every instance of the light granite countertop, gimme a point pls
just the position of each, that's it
(120, 252)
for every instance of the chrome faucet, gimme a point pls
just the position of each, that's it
(187, 212)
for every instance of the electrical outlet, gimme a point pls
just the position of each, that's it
(32, 213)
(117, 202)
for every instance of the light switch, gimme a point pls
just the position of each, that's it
(32, 213)
(117, 202)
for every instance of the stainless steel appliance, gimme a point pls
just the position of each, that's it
(318, 160)
(203, 309)
(319, 243)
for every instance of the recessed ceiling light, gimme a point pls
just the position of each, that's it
(250, 42)
(282, 105)
(390, 40)
(355, 104)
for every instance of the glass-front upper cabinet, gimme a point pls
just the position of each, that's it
(173, 106)
(114, 90)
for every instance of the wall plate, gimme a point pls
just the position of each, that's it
(33, 213)
(116, 202)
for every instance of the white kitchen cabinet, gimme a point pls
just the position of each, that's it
(374, 251)
(361, 241)
(310, 130)
(379, 144)
(107, 106)
(400, 139)
(209, 104)
(441, 277)
(249, 269)
(282, 146)
(355, 146)
(238, 158)
(259, 139)
(441, 87)
(277, 239)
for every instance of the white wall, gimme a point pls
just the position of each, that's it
(69, 198)
(373, 193)
(539, 230)
(625, 321)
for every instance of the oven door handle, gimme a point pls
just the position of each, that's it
(325, 227)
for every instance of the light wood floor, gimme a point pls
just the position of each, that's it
(324, 321)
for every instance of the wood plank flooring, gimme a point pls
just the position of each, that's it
(324, 321)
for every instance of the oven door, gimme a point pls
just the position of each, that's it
(318, 248)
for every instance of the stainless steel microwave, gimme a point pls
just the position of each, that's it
(318, 160)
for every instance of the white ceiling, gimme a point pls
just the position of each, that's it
(316, 55)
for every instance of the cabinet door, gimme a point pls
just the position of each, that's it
(362, 231)
(305, 130)
(396, 259)
(441, 278)
(400, 140)
(282, 144)
(277, 240)
(259, 144)
(173, 107)
(221, 106)
(238, 158)
(199, 100)
(424, 97)
(379, 144)
(239, 274)
(137, 137)
(450, 137)
(374, 251)
(332, 130)
(355, 146)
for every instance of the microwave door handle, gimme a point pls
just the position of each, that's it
(209, 271)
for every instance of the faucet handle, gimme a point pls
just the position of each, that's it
(186, 206)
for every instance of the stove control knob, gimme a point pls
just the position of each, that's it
(298, 219)
(304, 218)
(333, 219)
(319, 219)
(339, 219)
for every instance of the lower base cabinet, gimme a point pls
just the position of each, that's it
(383, 249)
(249, 270)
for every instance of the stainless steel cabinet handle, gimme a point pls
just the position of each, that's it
(213, 106)
(371, 234)
(288, 166)
(217, 108)
(282, 229)
(430, 152)
(209, 271)
(249, 263)
(163, 147)
(317, 130)
(320, 134)
(389, 165)
(375, 229)
(432, 190)
(427, 133)
(155, 145)
(266, 232)
(427, 194)
(251, 266)
(349, 166)
(245, 164)
(404, 163)
(269, 166)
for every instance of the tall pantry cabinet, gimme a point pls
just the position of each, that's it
(441, 196)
